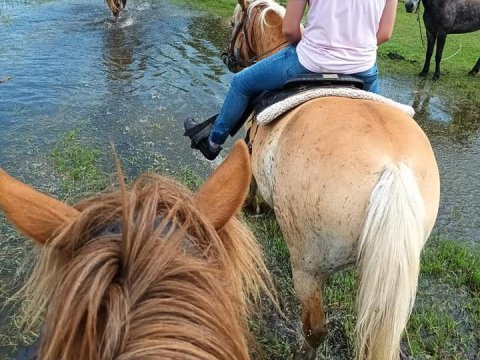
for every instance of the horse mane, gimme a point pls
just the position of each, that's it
(266, 5)
(141, 273)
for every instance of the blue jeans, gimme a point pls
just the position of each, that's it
(269, 74)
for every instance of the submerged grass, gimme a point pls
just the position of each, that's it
(78, 166)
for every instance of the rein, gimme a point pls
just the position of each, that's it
(417, 11)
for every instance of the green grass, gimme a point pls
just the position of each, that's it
(408, 45)
(78, 166)
(442, 325)
(222, 8)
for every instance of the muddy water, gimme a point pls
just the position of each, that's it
(67, 65)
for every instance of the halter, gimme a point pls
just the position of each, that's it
(246, 50)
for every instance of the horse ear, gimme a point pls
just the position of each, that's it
(33, 213)
(224, 192)
(243, 4)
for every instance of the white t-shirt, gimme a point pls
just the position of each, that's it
(340, 36)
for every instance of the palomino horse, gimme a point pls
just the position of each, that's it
(350, 181)
(116, 6)
(442, 17)
(154, 272)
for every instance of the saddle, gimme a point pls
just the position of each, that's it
(292, 87)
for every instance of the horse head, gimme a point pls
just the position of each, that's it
(256, 33)
(152, 271)
(411, 5)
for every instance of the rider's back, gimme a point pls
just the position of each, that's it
(340, 36)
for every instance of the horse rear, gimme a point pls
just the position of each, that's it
(351, 181)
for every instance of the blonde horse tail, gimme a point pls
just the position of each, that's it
(390, 244)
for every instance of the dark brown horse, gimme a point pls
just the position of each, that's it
(150, 272)
(442, 17)
(116, 6)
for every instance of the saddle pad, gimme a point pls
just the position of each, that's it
(275, 110)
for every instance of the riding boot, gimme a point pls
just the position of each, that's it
(199, 136)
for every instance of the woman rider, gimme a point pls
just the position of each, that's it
(340, 37)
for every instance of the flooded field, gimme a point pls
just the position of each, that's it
(66, 65)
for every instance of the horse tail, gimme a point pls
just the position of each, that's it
(113, 6)
(390, 244)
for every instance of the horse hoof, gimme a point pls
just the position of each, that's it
(473, 72)
(423, 74)
(435, 77)
(306, 352)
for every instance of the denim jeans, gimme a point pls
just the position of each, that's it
(370, 78)
(269, 74)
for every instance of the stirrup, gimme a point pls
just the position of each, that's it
(200, 131)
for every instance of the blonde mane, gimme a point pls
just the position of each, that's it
(142, 274)
(267, 5)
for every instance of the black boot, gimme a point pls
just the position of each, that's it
(199, 134)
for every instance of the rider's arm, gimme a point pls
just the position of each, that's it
(387, 21)
(292, 29)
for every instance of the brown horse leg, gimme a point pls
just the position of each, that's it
(254, 203)
(441, 37)
(309, 289)
(431, 38)
(251, 205)
(476, 68)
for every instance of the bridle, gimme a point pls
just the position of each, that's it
(243, 36)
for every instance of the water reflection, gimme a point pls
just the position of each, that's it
(118, 53)
(217, 31)
(457, 120)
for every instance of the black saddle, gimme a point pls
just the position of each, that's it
(293, 86)
(321, 80)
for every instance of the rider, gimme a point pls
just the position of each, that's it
(340, 37)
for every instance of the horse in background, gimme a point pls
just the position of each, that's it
(350, 181)
(442, 17)
(116, 6)
(154, 272)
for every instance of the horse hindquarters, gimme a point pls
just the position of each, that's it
(390, 244)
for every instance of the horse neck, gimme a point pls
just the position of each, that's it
(269, 37)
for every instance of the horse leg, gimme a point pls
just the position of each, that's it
(431, 38)
(441, 37)
(476, 68)
(309, 289)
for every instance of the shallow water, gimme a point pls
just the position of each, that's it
(134, 81)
